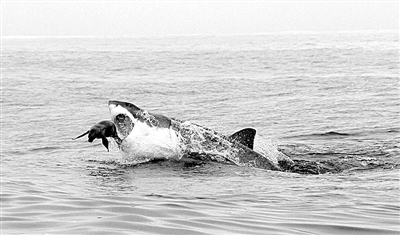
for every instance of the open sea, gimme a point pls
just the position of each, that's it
(323, 97)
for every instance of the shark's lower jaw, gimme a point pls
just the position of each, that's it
(124, 125)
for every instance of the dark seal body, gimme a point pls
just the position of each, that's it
(101, 130)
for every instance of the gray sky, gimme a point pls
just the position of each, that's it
(122, 18)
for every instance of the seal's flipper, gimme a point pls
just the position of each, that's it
(245, 137)
(105, 143)
(87, 132)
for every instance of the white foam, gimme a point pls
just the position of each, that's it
(266, 147)
(269, 149)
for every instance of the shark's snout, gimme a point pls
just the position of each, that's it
(114, 102)
(123, 104)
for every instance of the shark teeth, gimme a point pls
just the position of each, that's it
(124, 125)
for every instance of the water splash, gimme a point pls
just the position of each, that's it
(206, 143)
(269, 149)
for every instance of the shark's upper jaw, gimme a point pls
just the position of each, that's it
(126, 105)
(123, 117)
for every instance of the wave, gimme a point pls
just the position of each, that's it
(338, 134)
(324, 134)
(310, 160)
(124, 69)
(46, 148)
(332, 133)
(393, 130)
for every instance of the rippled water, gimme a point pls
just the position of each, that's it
(330, 98)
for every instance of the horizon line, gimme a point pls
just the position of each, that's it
(200, 35)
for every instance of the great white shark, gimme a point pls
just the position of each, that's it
(143, 136)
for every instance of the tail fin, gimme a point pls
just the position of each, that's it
(87, 132)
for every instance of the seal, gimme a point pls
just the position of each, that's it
(101, 130)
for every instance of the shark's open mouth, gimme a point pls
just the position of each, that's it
(124, 125)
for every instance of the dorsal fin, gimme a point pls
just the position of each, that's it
(245, 137)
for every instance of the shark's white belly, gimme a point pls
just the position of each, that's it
(144, 144)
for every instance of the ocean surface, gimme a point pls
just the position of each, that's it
(318, 97)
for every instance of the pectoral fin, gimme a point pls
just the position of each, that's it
(245, 137)
(105, 142)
